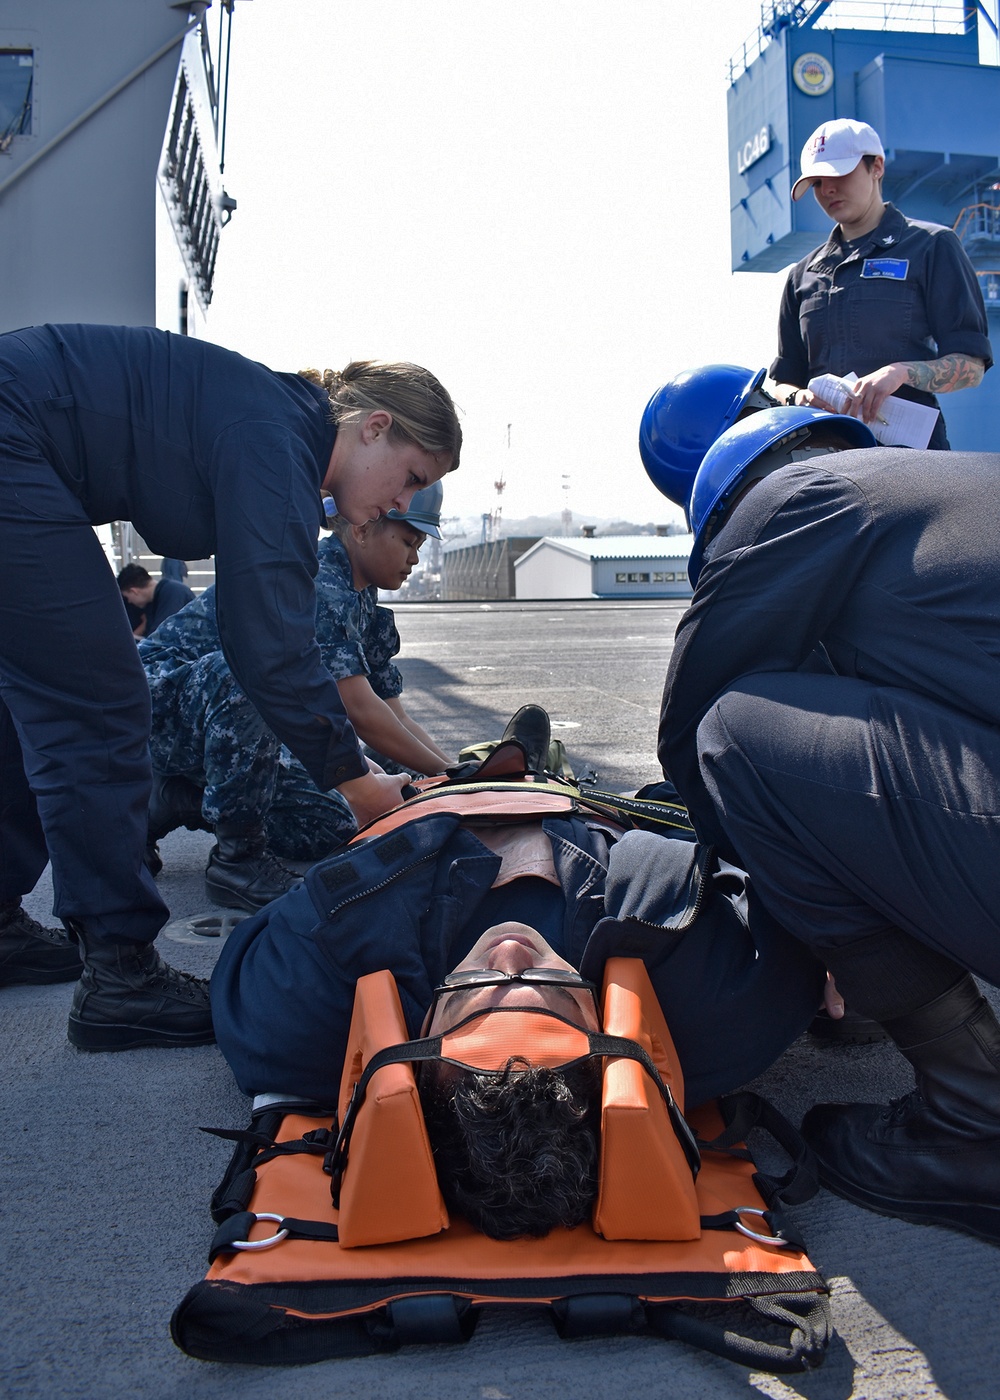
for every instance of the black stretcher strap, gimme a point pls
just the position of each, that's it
(781, 1228)
(429, 1048)
(744, 1111)
(317, 1141)
(783, 1333)
(427, 1317)
(597, 1314)
(234, 1233)
(257, 1145)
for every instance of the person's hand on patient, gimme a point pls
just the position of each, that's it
(374, 793)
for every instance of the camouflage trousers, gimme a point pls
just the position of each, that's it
(207, 730)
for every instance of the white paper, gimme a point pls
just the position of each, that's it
(905, 423)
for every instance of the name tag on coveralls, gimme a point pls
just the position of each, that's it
(896, 268)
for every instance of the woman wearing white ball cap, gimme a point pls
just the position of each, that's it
(891, 299)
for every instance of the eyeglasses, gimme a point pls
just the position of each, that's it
(493, 976)
(472, 978)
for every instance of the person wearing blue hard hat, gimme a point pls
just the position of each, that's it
(216, 763)
(685, 416)
(753, 449)
(831, 717)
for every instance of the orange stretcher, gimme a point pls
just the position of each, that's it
(688, 1238)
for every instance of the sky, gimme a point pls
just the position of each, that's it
(529, 197)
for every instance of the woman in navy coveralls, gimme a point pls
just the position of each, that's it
(206, 453)
(891, 299)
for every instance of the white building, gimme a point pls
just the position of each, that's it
(617, 566)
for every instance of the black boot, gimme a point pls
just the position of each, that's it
(933, 1156)
(532, 730)
(129, 997)
(242, 873)
(32, 955)
(174, 801)
(850, 1029)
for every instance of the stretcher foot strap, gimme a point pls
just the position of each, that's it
(783, 1333)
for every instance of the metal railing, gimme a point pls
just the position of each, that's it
(191, 168)
(978, 228)
(978, 221)
(989, 285)
(908, 16)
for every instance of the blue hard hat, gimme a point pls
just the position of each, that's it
(686, 415)
(753, 448)
(424, 511)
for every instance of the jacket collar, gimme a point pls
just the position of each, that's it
(882, 238)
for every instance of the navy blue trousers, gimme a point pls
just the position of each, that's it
(74, 709)
(858, 808)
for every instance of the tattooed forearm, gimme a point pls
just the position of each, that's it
(943, 376)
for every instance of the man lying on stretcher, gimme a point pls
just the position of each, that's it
(469, 907)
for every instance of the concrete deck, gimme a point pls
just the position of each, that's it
(106, 1180)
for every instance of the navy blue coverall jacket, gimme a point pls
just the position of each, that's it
(905, 291)
(866, 795)
(415, 900)
(206, 453)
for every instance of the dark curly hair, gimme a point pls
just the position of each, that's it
(515, 1151)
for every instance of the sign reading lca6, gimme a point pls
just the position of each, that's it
(751, 151)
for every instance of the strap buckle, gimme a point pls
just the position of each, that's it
(271, 1239)
(776, 1240)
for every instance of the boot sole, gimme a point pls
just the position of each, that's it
(981, 1221)
(824, 1035)
(225, 899)
(85, 1036)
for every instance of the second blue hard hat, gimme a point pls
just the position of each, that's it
(753, 448)
(687, 414)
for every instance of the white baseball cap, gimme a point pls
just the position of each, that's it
(835, 148)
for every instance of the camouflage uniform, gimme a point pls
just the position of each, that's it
(206, 729)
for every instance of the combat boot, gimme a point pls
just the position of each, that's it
(32, 955)
(932, 1156)
(530, 727)
(173, 801)
(128, 997)
(242, 873)
(849, 1029)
